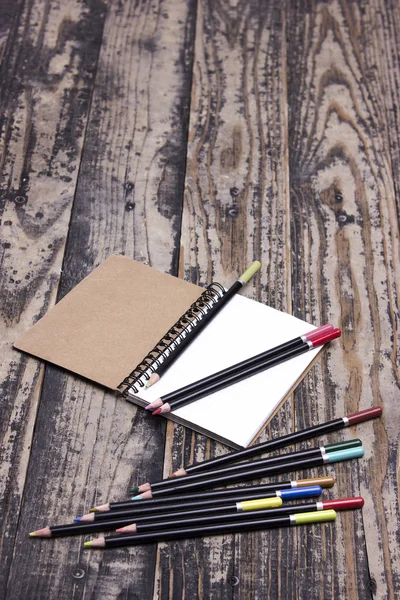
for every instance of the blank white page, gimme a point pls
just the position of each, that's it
(242, 329)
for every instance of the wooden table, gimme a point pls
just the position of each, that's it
(197, 136)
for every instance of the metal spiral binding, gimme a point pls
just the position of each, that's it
(138, 377)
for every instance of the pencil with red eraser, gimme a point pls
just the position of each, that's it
(244, 369)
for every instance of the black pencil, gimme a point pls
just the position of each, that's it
(112, 524)
(180, 520)
(236, 513)
(175, 506)
(297, 342)
(280, 442)
(174, 400)
(206, 319)
(216, 529)
(180, 485)
(160, 503)
(226, 470)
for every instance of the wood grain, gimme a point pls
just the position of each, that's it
(291, 156)
(234, 212)
(9, 20)
(345, 238)
(88, 443)
(48, 61)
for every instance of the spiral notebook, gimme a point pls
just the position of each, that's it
(118, 322)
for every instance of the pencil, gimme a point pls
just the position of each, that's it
(181, 485)
(240, 511)
(297, 342)
(178, 521)
(281, 442)
(175, 402)
(324, 482)
(112, 524)
(191, 532)
(153, 512)
(243, 467)
(206, 319)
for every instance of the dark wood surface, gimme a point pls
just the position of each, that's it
(196, 136)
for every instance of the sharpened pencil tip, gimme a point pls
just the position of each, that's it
(100, 508)
(148, 407)
(134, 490)
(77, 519)
(87, 544)
(45, 532)
(156, 412)
(153, 379)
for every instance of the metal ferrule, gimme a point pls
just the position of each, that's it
(241, 281)
(292, 519)
(239, 507)
(345, 421)
(278, 493)
(320, 506)
(303, 337)
(325, 458)
(323, 451)
(310, 344)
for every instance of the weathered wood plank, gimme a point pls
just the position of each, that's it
(345, 241)
(48, 60)
(88, 443)
(336, 240)
(235, 204)
(9, 12)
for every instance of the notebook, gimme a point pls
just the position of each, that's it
(116, 323)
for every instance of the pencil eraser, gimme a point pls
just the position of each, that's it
(315, 333)
(344, 503)
(325, 337)
(248, 274)
(364, 415)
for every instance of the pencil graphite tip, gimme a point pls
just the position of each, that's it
(145, 487)
(88, 518)
(100, 508)
(179, 473)
(155, 404)
(97, 543)
(153, 379)
(45, 532)
(165, 408)
(145, 496)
